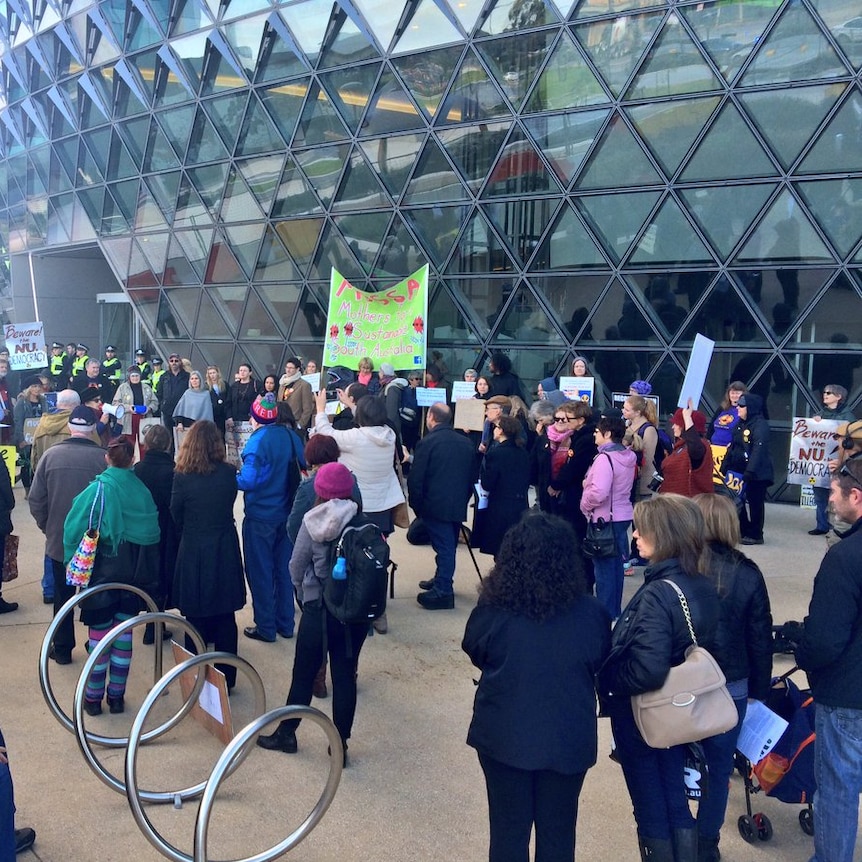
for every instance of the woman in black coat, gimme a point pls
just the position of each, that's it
(533, 627)
(505, 475)
(650, 637)
(7, 504)
(208, 582)
(156, 471)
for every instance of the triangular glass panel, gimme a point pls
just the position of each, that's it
(323, 167)
(126, 196)
(308, 24)
(848, 31)
(274, 263)
(479, 249)
(262, 175)
(177, 125)
(239, 203)
(427, 27)
(725, 212)
(381, 19)
(178, 270)
(834, 204)
(393, 170)
(474, 149)
(144, 68)
(591, 8)
(399, 255)
(120, 164)
(264, 356)
(833, 152)
(293, 194)
(160, 156)
(729, 150)
(390, 109)
(222, 71)
(345, 42)
(225, 112)
(515, 61)
(519, 171)
(807, 105)
(526, 320)
(258, 134)
(138, 29)
(728, 30)
(568, 245)
(164, 189)
(473, 95)
(660, 298)
(427, 76)
(284, 104)
(244, 240)
(134, 134)
(434, 179)
(217, 353)
(362, 233)
(629, 37)
(98, 143)
(196, 246)
(140, 274)
(188, 16)
(674, 66)
(566, 82)
(210, 322)
(185, 305)
(257, 321)
(209, 182)
(504, 16)
(191, 211)
(350, 91)
(669, 128)
(280, 57)
(565, 139)
(446, 322)
(91, 200)
(616, 219)
(333, 251)
(483, 298)
(467, 13)
(836, 322)
(148, 216)
(222, 266)
(310, 321)
(230, 301)
(437, 228)
(670, 239)
(617, 160)
(171, 321)
(300, 238)
(67, 153)
(88, 170)
(796, 49)
(723, 316)
(204, 142)
(117, 254)
(113, 220)
(784, 236)
(320, 121)
(280, 301)
(359, 187)
(146, 303)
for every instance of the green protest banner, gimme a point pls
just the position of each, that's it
(387, 326)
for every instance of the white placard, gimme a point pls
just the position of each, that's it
(695, 374)
(211, 702)
(578, 388)
(813, 444)
(482, 494)
(761, 730)
(26, 345)
(462, 389)
(313, 380)
(426, 396)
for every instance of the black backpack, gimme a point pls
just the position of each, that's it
(361, 596)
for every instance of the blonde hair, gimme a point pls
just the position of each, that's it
(519, 408)
(721, 523)
(219, 379)
(674, 526)
(644, 406)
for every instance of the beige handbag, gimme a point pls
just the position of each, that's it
(693, 703)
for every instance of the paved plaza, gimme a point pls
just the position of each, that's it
(414, 790)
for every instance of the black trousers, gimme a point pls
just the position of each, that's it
(220, 631)
(754, 511)
(320, 633)
(518, 799)
(64, 640)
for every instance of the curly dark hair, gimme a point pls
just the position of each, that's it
(538, 571)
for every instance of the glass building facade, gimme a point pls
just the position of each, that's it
(603, 177)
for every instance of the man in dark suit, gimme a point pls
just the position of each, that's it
(439, 485)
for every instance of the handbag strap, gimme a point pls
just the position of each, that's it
(684, 603)
(100, 496)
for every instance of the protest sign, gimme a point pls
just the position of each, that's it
(470, 414)
(9, 454)
(695, 373)
(812, 445)
(26, 345)
(387, 326)
(426, 396)
(463, 389)
(578, 388)
(235, 439)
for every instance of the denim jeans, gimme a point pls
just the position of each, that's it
(838, 771)
(821, 508)
(719, 751)
(267, 551)
(609, 571)
(444, 540)
(48, 579)
(7, 812)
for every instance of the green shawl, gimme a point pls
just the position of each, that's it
(129, 515)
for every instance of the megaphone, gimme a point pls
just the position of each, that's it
(117, 411)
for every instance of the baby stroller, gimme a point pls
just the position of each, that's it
(787, 772)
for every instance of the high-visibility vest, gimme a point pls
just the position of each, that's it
(78, 365)
(157, 376)
(112, 369)
(57, 365)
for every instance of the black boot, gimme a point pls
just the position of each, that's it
(707, 849)
(655, 849)
(685, 845)
(284, 739)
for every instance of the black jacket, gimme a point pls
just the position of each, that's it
(7, 503)
(651, 635)
(170, 389)
(570, 479)
(535, 706)
(156, 471)
(506, 477)
(744, 639)
(752, 435)
(241, 397)
(441, 479)
(506, 383)
(831, 648)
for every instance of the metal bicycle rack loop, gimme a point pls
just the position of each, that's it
(78, 705)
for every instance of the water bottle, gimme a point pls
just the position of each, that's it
(339, 570)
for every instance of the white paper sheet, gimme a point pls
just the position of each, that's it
(211, 702)
(761, 730)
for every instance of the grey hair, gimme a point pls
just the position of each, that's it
(68, 399)
(542, 410)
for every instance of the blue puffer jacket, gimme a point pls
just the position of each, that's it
(264, 475)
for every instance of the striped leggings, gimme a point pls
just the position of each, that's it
(114, 665)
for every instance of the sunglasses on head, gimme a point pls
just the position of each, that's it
(845, 471)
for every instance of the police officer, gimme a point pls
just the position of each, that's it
(68, 359)
(57, 367)
(112, 368)
(80, 361)
(146, 368)
(158, 372)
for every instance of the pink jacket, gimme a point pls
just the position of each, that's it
(601, 484)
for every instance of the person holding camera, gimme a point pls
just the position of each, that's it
(687, 469)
